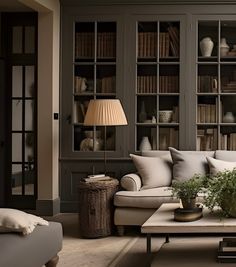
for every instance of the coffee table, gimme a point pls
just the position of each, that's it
(162, 222)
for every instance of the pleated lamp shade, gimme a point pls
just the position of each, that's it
(105, 112)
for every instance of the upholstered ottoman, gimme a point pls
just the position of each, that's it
(33, 250)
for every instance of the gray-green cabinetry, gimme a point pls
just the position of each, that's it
(150, 57)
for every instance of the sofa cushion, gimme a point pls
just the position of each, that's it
(12, 220)
(188, 163)
(149, 198)
(217, 165)
(154, 171)
(225, 155)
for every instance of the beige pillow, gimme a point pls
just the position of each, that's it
(217, 165)
(188, 163)
(12, 220)
(154, 171)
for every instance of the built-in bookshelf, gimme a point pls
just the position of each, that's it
(94, 78)
(157, 83)
(216, 86)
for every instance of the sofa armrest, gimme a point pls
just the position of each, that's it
(131, 182)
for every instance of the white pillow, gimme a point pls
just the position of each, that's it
(188, 163)
(217, 165)
(12, 220)
(154, 171)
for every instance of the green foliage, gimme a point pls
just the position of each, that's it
(188, 189)
(221, 189)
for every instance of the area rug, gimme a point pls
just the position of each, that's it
(180, 252)
(189, 251)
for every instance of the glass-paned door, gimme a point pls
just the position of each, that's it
(21, 96)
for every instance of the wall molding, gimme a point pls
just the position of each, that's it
(48, 207)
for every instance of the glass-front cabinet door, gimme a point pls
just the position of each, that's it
(215, 74)
(157, 93)
(95, 71)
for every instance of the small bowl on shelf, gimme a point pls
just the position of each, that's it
(165, 116)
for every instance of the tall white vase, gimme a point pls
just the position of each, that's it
(145, 144)
(206, 46)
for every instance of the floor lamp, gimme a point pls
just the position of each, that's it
(105, 112)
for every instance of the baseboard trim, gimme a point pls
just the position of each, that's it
(48, 207)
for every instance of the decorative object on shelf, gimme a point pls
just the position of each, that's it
(145, 144)
(165, 116)
(206, 46)
(224, 48)
(142, 114)
(187, 215)
(90, 143)
(105, 112)
(154, 120)
(228, 117)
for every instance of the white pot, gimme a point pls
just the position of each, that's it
(228, 117)
(145, 144)
(224, 48)
(206, 46)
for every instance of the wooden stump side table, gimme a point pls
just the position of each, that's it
(96, 207)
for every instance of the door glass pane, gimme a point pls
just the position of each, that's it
(29, 81)
(29, 107)
(29, 148)
(16, 179)
(16, 147)
(29, 40)
(17, 115)
(16, 81)
(17, 40)
(29, 181)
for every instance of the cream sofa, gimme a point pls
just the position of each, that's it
(143, 195)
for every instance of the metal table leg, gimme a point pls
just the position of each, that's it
(148, 243)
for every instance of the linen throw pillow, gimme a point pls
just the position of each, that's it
(187, 164)
(217, 165)
(12, 220)
(154, 171)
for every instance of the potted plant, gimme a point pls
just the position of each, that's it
(221, 192)
(188, 190)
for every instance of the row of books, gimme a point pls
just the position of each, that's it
(168, 43)
(206, 113)
(207, 84)
(104, 85)
(207, 139)
(167, 84)
(84, 44)
(228, 141)
(168, 137)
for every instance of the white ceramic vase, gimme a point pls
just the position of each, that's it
(224, 48)
(228, 117)
(145, 144)
(206, 46)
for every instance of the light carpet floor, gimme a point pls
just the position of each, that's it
(130, 250)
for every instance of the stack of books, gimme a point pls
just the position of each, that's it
(227, 250)
(96, 177)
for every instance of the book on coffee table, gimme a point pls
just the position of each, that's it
(227, 250)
